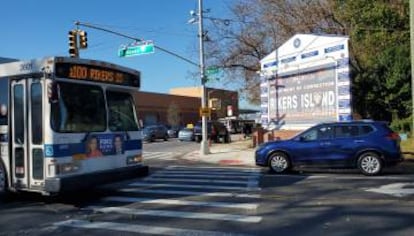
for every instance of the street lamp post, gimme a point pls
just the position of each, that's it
(204, 149)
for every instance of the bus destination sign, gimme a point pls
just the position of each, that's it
(97, 74)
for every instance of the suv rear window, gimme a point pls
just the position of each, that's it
(366, 129)
(345, 131)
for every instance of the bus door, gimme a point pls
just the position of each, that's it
(27, 133)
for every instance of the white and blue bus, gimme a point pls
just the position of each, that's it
(67, 123)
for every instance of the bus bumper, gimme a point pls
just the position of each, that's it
(72, 183)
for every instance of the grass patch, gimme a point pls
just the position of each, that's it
(407, 146)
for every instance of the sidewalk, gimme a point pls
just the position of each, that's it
(236, 153)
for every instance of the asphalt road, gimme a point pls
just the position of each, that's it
(189, 199)
(172, 145)
(160, 152)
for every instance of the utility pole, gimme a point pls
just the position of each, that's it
(412, 61)
(204, 149)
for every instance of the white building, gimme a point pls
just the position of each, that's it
(306, 81)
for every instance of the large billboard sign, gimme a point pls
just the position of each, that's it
(304, 97)
(306, 81)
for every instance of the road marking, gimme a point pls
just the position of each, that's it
(209, 172)
(136, 228)
(161, 175)
(241, 169)
(395, 189)
(245, 206)
(197, 180)
(157, 155)
(191, 193)
(141, 184)
(252, 183)
(178, 214)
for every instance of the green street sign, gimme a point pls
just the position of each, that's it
(136, 50)
(212, 70)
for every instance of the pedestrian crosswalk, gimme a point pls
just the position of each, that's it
(179, 200)
(159, 155)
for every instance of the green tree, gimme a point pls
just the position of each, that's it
(379, 43)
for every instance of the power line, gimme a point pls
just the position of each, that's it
(93, 26)
(159, 31)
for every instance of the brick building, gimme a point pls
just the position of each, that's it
(157, 108)
(182, 105)
(223, 100)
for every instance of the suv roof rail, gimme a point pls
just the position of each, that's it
(367, 120)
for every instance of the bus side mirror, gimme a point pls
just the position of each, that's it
(53, 92)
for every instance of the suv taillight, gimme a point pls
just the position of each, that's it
(393, 136)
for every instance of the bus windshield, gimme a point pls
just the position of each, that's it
(80, 108)
(121, 112)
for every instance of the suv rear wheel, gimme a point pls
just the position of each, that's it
(279, 162)
(370, 163)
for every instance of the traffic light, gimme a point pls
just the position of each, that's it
(83, 39)
(73, 43)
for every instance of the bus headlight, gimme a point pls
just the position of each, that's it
(135, 159)
(68, 167)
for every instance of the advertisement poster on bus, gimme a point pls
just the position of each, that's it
(102, 145)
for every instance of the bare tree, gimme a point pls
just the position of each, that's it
(257, 28)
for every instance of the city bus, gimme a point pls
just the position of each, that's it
(67, 123)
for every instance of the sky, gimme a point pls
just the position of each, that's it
(35, 29)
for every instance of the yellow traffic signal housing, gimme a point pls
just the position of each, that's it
(73, 43)
(83, 39)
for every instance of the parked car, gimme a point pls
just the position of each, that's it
(153, 132)
(367, 145)
(215, 131)
(173, 131)
(186, 134)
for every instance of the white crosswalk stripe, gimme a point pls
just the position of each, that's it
(179, 214)
(158, 155)
(196, 180)
(188, 193)
(246, 206)
(217, 187)
(217, 169)
(141, 229)
(191, 193)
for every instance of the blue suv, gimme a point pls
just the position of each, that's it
(367, 145)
